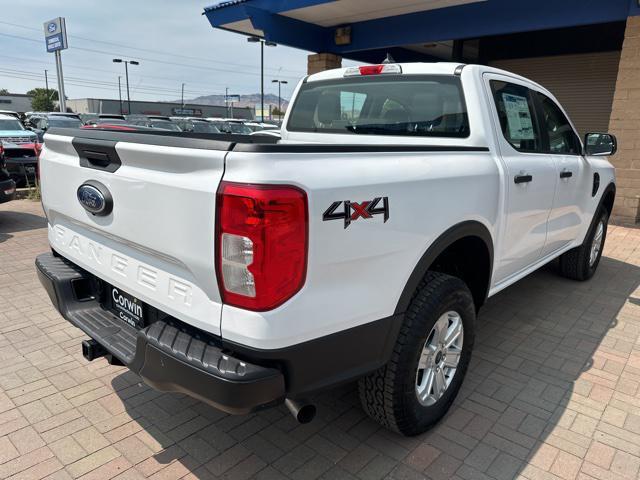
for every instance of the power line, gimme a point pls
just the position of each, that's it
(199, 59)
(38, 79)
(153, 51)
(143, 88)
(112, 72)
(164, 62)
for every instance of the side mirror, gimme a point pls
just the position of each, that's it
(600, 144)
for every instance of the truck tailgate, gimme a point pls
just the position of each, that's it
(158, 242)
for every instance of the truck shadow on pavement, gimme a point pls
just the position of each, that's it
(550, 393)
(13, 222)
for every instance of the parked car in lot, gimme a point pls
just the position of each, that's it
(163, 123)
(251, 272)
(89, 118)
(21, 148)
(11, 113)
(122, 127)
(7, 184)
(111, 116)
(197, 125)
(40, 123)
(230, 126)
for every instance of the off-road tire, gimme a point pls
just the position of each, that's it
(575, 264)
(388, 395)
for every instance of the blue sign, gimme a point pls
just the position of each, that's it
(55, 34)
(55, 42)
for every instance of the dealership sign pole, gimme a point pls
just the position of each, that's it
(55, 36)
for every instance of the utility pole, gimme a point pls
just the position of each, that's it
(226, 100)
(120, 93)
(183, 99)
(46, 85)
(126, 74)
(262, 44)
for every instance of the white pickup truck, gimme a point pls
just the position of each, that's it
(359, 247)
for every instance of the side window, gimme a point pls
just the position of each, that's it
(562, 138)
(517, 116)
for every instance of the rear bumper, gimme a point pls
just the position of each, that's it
(167, 354)
(7, 190)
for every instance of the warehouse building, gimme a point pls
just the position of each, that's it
(104, 106)
(16, 102)
(587, 52)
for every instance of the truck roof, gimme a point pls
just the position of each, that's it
(415, 68)
(425, 68)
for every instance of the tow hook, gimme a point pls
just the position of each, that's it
(301, 410)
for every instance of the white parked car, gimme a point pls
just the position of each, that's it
(360, 247)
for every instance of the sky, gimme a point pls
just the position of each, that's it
(171, 39)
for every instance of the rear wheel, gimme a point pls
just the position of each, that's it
(581, 262)
(419, 383)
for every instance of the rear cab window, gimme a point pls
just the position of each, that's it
(404, 105)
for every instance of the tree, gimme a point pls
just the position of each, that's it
(43, 99)
(4, 91)
(276, 112)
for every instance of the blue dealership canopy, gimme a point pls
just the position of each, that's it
(351, 27)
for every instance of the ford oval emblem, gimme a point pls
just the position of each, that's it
(95, 198)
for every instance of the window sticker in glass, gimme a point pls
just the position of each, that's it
(518, 117)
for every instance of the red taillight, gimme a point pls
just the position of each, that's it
(261, 244)
(384, 68)
(38, 148)
(371, 69)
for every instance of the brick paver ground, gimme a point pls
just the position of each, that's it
(553, 392)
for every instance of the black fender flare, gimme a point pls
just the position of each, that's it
(611, 188)
(470, 228)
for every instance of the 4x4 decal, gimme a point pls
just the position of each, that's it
(352, 210)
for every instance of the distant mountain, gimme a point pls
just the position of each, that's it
(250, 100)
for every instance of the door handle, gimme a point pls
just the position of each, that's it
(566, 174)
(523, 178)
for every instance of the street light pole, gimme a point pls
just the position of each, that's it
(279, 82)
(262, 44)
(126, 74)
(120, 93)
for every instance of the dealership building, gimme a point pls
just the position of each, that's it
(586, 52)
(106, 106)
